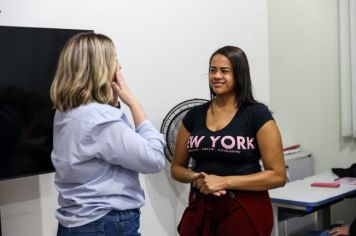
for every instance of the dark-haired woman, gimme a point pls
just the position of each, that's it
(227, 137)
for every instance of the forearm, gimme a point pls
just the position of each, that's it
(137, 112)
(183, 174)
(261, 181)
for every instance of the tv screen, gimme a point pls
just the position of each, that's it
(28, 59)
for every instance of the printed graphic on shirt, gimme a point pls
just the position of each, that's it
(231, 144)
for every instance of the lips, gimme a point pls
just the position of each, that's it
(217, 83)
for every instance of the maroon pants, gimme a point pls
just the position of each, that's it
(243, 213)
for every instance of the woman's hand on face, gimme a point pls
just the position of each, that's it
(120, 88)
(115, 102)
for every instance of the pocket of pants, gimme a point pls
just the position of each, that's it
(93, 227)
(128, 223)
(193, 198)
(192, 217)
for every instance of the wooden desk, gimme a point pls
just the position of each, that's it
(298, 198)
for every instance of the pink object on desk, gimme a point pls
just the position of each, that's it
(325, 184)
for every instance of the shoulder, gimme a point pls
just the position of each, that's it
(103, 112)
(257, 109)
(257, 115)
(193, 114)
(93, 114)
(199, 109)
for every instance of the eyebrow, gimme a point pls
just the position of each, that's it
(224, 67)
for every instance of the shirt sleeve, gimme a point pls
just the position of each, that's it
(191, 116)
(259, 115)
(139, 150)
(188, 119)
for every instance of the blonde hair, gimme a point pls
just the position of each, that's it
(86, 68)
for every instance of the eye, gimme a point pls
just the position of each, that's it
(226, 71)
(212, 70)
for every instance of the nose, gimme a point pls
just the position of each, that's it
(217, 74)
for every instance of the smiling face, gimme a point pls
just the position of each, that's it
(221, 77)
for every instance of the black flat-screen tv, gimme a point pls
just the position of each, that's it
(28, 59)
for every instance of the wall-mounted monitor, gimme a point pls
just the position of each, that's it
(28, 59)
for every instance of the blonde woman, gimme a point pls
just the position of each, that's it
(96, 153)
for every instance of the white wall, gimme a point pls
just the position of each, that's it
(304, 72)
(164, 47)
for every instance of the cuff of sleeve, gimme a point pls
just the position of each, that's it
(143, 125)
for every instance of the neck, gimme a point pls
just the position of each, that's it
(225, 102)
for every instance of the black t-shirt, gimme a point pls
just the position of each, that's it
(232, 150)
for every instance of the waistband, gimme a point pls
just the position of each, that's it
(229, 192)
(123, 212)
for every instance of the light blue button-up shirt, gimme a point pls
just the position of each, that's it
(98, 157)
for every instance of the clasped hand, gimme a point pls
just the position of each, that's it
(209, 184)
